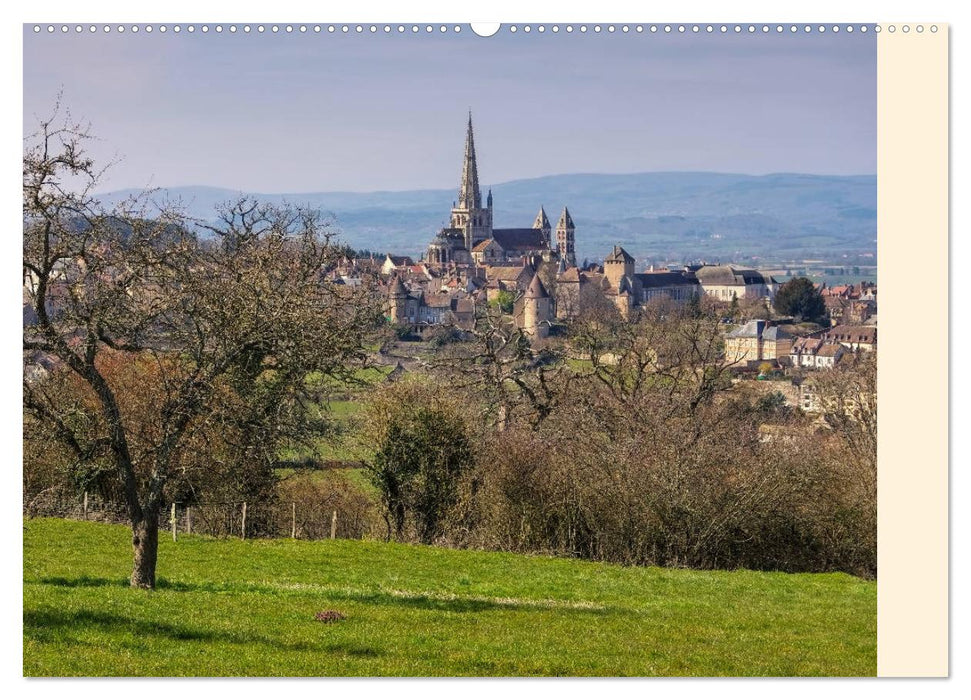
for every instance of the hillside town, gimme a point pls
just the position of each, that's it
(471, 265)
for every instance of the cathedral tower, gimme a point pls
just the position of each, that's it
(565, 238)
(542, 223)
(468, 214)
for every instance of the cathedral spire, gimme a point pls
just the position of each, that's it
(469, 195)
(542, 221)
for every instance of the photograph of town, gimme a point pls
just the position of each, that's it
(395, 350)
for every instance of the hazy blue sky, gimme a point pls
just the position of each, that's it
(309, 112)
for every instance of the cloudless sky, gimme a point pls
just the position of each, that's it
(311, 112)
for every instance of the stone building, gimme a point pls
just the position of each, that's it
(727, 282)
(470, 238)
(420, 307)
(570, 285)
(855, 338)
(620, 284)
(628, 289)
(507, 278)
(395, 262)
(842, 310)
(757, 341)
(815, 353)
(533, 310)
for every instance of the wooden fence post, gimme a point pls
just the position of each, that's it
(242, 529)
(85, 505)
(333, 525)
(293, 522)
(174, 526)
(188, 520)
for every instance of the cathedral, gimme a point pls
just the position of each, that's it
(471, 239)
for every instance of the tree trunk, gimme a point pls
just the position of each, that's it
(399, 520)
(144, 543)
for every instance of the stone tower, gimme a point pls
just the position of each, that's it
(542, 223)
(468, 214)
(397, 301)
(565, 238)
(618, 265)
(536, 309)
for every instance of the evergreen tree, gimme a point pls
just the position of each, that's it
(799, 298)
(734, 312)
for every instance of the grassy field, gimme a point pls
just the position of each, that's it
(226, 607)
(337, 447)
(342, 411)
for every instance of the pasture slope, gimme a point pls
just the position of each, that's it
(232, 608)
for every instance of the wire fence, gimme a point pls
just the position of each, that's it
(240, 519)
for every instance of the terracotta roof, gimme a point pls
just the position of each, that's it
(438, 301)
(800, 343)
(852, 334)
(499, 272)
(839, 290)
(570, 275)
(808, 345)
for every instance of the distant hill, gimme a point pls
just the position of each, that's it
(661, 216)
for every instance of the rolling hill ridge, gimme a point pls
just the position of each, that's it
(662, 216)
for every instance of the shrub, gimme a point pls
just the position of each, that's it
(421, 446)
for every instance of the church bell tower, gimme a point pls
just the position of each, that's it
(566, 238)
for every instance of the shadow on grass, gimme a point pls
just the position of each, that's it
(444, 603)
(56, 626)
(456, 604)
(83, 582)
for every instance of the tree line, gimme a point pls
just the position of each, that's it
(627, 443)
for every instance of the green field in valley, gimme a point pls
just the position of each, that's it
(342, 412)
(234, 608)
(334, 447)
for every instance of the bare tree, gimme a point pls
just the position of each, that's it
(231, 317)
(848, 398)
(668, 361)
(501, 366)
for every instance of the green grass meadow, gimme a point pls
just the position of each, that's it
(234, 608)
